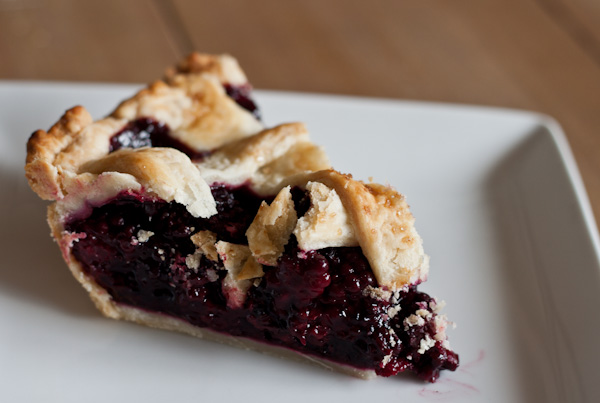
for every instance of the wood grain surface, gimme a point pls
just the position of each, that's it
(541, 55)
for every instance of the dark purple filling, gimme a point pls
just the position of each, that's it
(147, 132)
(242, 95)
(311, 302)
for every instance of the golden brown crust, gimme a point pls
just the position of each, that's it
(193, 102)
(43, 147)
(224, 67)
(165, 172)
(196, 108)
(265, 159)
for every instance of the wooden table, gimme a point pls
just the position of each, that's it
(541, 55)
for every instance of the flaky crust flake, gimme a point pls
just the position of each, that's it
(326, 223)
(205, 242)
(271, 228)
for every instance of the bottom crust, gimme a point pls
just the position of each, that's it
(165, 322)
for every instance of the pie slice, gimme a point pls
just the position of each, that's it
(181, 211)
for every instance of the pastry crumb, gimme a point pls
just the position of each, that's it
(377, 293)
(426, 344)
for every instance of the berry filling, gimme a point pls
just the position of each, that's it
(147, 132)
(315, 302)
(241, 94)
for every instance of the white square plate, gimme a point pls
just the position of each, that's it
(498, 200)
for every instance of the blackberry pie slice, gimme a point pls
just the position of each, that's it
(181, 211)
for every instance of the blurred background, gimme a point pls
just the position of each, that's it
(540, 55)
